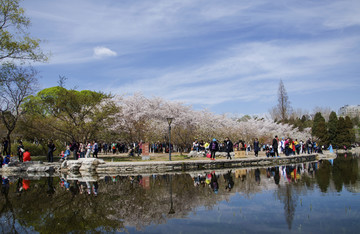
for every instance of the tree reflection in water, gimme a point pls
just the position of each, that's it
(115, 203)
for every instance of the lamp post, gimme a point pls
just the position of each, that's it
(169, 120)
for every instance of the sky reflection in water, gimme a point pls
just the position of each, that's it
(318, 197)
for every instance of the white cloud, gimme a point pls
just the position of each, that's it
(250, 72)
(102, 52)
(203, 51)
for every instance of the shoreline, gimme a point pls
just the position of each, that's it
(97, 167)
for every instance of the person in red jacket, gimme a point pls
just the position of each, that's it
(26, 156)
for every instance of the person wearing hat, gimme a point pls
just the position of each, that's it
(214, 147)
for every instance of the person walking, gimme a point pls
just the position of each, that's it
(214, 147)
(228, 147)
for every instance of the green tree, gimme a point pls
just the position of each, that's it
(332, 127)
(15, 85)
(319, 128)
(69, 115)
(349, 126)
(15, 40)
(342, 133)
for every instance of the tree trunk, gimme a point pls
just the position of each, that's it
(9, 143)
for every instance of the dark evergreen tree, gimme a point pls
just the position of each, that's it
(332, 128)
(342, 134)
(350, 129)
(319, 129)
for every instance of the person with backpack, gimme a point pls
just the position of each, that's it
(214, 147)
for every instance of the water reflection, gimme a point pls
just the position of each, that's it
(120, 203)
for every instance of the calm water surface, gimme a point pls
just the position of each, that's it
(321, 197)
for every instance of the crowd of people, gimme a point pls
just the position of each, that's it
(285, 146)
(289, 146)
(76, 150)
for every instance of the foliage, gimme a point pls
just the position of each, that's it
(68, 115)
(332, 128)
(349, 126)
(15, 41)
(15, 85)
(342, 133)
(142, 118)
(319, 128)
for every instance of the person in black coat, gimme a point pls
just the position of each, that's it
(51, 149)
(228, 147)
(256, 147)
(275, 145)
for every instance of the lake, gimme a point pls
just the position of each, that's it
(316, 197)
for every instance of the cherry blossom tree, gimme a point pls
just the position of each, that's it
(142, 118)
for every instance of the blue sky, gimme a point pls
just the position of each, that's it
(225, 56)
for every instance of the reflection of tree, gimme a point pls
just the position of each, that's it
(142, 201)
(289, 198)
(323, 175)
(345, 172)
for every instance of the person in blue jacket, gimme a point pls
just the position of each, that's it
(330, 148)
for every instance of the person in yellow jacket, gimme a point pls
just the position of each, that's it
(297, 146)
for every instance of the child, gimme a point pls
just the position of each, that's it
(66, 154)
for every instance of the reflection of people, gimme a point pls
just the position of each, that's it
(74, 187)
(214, 182)
(257, 176)
(229, 181)
(19, 187)
(50, 188)
(277, 175)
(5, 186)
(95, 188)
(26, 184)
